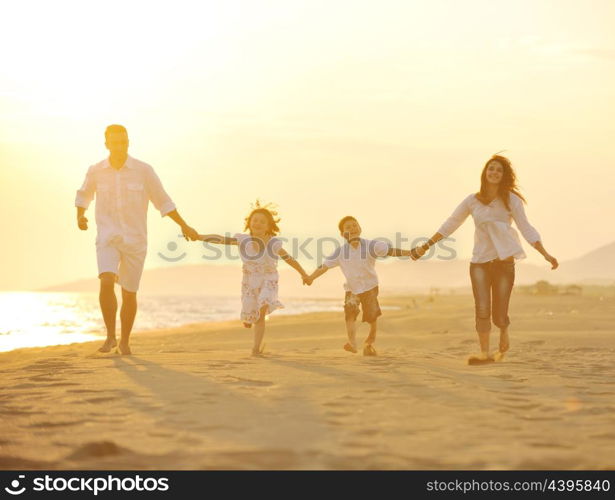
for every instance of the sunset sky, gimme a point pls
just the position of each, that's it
(383, 110)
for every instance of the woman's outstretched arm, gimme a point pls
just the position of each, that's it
(456, 219)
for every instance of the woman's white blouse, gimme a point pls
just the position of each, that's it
(494, 237)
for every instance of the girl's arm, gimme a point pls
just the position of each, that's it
(317, 273)
(286, 257)
(217, 238)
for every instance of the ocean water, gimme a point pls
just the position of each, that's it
(31, 319)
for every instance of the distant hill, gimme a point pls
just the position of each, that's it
(596, 267)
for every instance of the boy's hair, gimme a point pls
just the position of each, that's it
(269, 212)
(344, 220)
(115, 129)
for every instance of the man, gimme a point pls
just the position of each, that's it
(123, 187)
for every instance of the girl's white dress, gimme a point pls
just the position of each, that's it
(259, 286)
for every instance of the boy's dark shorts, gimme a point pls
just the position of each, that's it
(368, 301)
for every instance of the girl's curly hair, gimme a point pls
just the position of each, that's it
(269, 211)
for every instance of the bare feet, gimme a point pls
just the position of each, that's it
(368, 350)
(504, 341)
(349, 347)
(504, 345)
(258, 352)
(124, 349)
(108, 345)
(480, 359)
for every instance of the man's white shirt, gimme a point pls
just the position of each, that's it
(122, 198)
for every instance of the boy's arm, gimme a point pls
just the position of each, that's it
(399, 252)
(317, 273)
(418, 251)
(217, 238)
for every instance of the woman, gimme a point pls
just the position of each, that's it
(496, 246)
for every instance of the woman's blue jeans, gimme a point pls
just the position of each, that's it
(492, 284)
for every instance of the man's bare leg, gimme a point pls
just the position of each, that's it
(127, 316)
(351, 331)
(108, 307)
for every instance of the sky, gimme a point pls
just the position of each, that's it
(383, 110)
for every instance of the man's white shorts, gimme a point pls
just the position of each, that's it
(125, 261)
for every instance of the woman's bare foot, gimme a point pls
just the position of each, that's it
(480, 359)
(109, 344)
(504, 341)
(368, 350)
(349, 347)
(258, 351)
(124, 349)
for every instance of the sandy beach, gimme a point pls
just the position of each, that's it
(193, 397)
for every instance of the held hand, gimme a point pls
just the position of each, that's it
(553, 261)
(82, 223)
(417, 252)
(190, 233)
(307, 280)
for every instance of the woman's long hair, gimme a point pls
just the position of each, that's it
(508, 184)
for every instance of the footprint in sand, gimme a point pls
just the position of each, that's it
(552, 445)
(248, 382)
(98, 449)
(533, 342)
(53, 425)
(338, 414)
(102, 399)
(15, 411)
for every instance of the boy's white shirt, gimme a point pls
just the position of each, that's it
(358, 264)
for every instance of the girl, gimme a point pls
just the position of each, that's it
(259, 251)
(496, 246)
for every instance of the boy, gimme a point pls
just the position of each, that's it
(357, 259)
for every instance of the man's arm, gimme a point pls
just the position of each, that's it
(82, 221)
(85, 195)
(188, 232)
